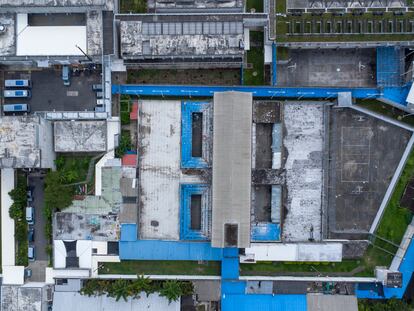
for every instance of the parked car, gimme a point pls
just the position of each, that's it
(97, 87)
(30, 234)
(31, 253)
(29, 194)
(27, 273)
(30, 215)
(66, 75)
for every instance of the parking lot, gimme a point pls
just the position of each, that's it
(36, 182)
(49, 93)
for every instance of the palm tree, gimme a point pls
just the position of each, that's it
(171, 290)
(118, 289)
(141, 284)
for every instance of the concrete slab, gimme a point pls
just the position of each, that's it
(160, 173)
(329, 68)
(364, 153)
(303, 141)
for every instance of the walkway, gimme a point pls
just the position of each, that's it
(393, 95)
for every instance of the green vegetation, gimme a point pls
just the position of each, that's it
(60, 188)
(161, 267)
(304, 35)
(257, 5)
(254, 74)
(133, 6)
(121, 288)
(282, 53)
(125, 144)
(272, 268)
(392, 304)
(125, 109)
(386, 110)
(17, 211)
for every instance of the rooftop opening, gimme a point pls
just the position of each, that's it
(264, 145)
(230, 234)
(57, 19)
(195, 212)
(197, 134)
(262, 203)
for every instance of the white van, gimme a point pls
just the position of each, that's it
(16, 108)
(17, 83)
(17, 93)
(30, 215)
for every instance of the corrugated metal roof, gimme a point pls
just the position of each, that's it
(232, 162)
(264, 302)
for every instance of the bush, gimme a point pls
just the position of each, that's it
(121, 288)
(125, 144)
(17, 212)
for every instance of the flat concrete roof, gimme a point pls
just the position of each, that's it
(304, 142)
(182, 36)
(21, 298)
(80, 136)
(195, 5)
(232, 165)
(320, 302)
(25, 142)
(7, 39)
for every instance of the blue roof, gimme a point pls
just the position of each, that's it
(168, 250)
(237, 302)
(129, 232)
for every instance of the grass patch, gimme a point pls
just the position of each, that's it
(255, 57)
(161, 267)
(254, 4)
(126, 108)
(133, 6)
(386, 110)
(281, 6)
(272, 268)
(283, 34)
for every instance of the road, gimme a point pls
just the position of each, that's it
(40, 242)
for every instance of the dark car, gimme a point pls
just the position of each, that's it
(30, 234)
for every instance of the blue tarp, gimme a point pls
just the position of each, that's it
(237, 302)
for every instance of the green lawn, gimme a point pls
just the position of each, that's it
(255, 57)
(280, 268)
(254, 4)
(284, 36)
(161, 267)
(387, 110)
(133, 6)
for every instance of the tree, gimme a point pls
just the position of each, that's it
(171, 290)
(119, 288)
(57, 196)
(141, 284)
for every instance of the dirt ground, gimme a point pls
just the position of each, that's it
(190, 77)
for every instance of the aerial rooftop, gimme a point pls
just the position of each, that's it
(171, 36)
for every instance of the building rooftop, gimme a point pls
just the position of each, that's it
(25, 142)
(160, 172)
(80, 136)
(63, 301)
(182, 37)
(7, 39)
(304, 141)
(232, 164)
(16, 298)
(195, 5)
(21, 4)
